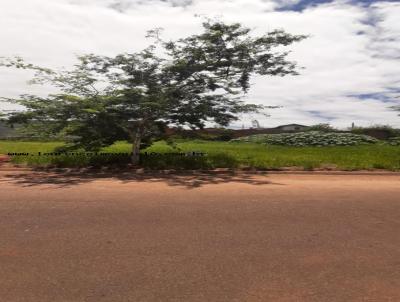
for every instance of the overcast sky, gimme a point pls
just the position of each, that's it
(351, 60)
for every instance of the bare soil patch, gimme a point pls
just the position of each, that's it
(222, 237)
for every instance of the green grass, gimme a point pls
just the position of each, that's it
(220, 155)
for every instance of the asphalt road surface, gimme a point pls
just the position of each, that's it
(130, 237)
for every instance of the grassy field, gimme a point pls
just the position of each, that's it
(219, 155)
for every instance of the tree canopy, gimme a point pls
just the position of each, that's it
(135, 96)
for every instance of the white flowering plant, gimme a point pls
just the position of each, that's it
(310, 138)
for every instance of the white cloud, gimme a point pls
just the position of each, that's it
(352, 50)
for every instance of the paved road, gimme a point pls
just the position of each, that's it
(199, 238)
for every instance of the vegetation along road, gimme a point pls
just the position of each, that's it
(221, 155)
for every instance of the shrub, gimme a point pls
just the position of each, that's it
(208, 135)
(378, 131)
(310, 138)
(394, 141)
(166, 161)
(225, 135)
(322, 128)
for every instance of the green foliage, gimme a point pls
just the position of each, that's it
(322, 128)
(385, 131)
(226, 135)
(219, 135)
(397, 108)
(134, 96)
(394, 141)
(211, 161)
(222, 155)
(311, 138)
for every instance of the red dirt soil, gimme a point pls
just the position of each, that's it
(71, 237)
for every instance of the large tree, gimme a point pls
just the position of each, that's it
(188, 82)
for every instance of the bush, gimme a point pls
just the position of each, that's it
(225, 135)
(394, 141)
(311, 138)
(322, 128)
(378, 131)
(217, 135)
(166, 161)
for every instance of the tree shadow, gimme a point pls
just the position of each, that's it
(189, 180)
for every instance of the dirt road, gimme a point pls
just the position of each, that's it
(203, 238)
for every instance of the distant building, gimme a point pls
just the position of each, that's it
(292, 127)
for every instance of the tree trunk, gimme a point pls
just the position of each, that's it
(135, 157)
(136, 135)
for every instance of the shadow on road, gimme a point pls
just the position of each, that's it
(188, 180)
